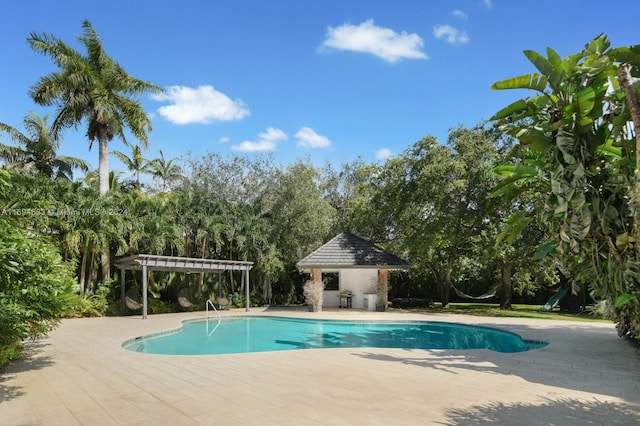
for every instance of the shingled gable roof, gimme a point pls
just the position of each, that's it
(349, 251)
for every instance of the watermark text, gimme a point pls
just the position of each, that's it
(64, 212)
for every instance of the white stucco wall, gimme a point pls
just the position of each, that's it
(331, 299)
(358, 281)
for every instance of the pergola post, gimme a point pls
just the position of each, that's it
(122, 292)
(145, 277)
(246, 291)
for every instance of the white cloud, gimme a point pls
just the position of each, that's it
(382, 42)
(273, 134)
(251, 146)
(267, 141)
(224, 139)
(450, 34)
(459, 14)
(488, 3)
(203, 104)
(308, 138)
(384, 154)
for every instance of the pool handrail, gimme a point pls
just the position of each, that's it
(206, 307)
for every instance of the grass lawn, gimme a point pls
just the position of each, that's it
(517, 311)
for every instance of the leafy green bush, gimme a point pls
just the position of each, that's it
(91, 305)
(236, 300)
(8, 353)
(12, 328)
(35, 285)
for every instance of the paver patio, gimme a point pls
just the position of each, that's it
(80, 375)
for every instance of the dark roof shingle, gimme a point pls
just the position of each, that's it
(347, 250)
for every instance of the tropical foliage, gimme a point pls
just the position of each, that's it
(93, 88)
(577, 150)
(35, 284)
(37, 153)
(135, 163)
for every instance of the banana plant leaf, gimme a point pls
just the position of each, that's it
(533, 81)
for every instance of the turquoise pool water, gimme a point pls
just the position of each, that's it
(262, 334)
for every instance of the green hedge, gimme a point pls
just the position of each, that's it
(35, 287)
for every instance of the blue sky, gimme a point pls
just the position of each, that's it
(329, 80)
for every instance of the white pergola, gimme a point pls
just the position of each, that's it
(150, 262)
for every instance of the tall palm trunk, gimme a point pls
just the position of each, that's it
(92, 269)
(103, 184)
(83, 271)
(103, 164)
(204, 256)
(231, 283)
(105, 262)
(187, 244)
(131, 236)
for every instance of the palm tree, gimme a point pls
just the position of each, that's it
(38, 150)
(91, 87)
(135, 203)
(165, 170)
(253, 243)
(161, 233)
(254, 223)
(136, 163)
(210, 226)
(114, 183)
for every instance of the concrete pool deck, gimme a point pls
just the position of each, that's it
(80, 375)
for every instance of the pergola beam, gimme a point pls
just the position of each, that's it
(149, 262)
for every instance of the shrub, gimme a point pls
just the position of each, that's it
(35, 285)
(8, 353)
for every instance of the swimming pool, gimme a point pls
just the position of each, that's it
(264, 333)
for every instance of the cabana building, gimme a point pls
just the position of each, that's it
(355, 272)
